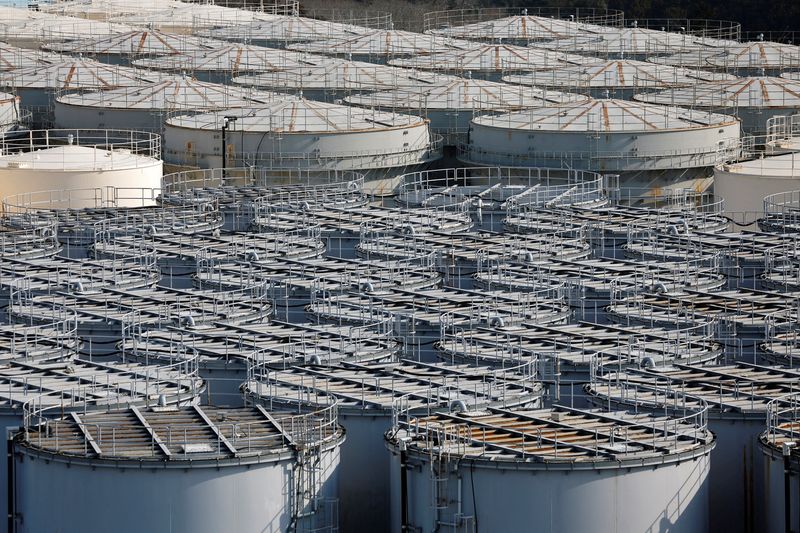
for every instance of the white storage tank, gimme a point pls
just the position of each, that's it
(12, 58)
(451, 104)
(300, 133)
(48, 28)
(738, 397)
(562, 469)
(379, 46)
(779, 448)
(618, 78)
(227, 60)
(190, 17)
(284, 30)
(81, 386)
(744, 184)
(367, 394)
(488, 61)
(57, 160)
(122, 48)
(753, 100)
(334, 79)
(757, 57)
(38, 86)
(192, 469)
(521, 26)
(10, 117)
(649, 145)
(106, 9)
(146, 107)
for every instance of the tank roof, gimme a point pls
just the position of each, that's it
(134, 42)
(192, 14)
(181, 93)
(385, 43)
(757, 92)
(757, 54)
(75, 158)
(737, 388)
(616, 74)
(81, 385)
(12, 58)
(463, 93)
(490, 58)
(517, 27)
(579, 345)
(421, 387)
(288, 28)
(55, 341)
(77, 73)
(608, 115)
(187, 435)
(299, 115)
(636, 41)
(561, 437)
(340, 74)
(777, 166)
(229, 57)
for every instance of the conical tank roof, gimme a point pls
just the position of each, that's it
(637, 41)
(235, 58)
(77, 74)
(53, 28)
(178, 94)
(385, 43)
(465, 93)
(288, 28)
(193, 15)
(106, 9)
(758, 54)
(134, 42)
(341, 74)
(518, 27)
(491, 58)
(759, 91)
(605, 115)
(616, 74)
(299, 115)
(13, 58)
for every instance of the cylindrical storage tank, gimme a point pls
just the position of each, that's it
(618, 79)
(564, 469)
(122, 48)
(510, 24)
(379, 46)
(192, 469)
(283, 30)
(13, 58)
(744, 184)
(367, 395)
(573, 351)
(756, 58)
(146, 107)
(738, 396)
(226, 353)
(489, 62)
(753, 100)
(37, 87)
(10, 117)
(60, 160)
(81, 386)
(334, 79)
(450, 105)
(303, 134)
(189, 17)
(226, 61)
(671, 146)
(779, 448)
(782, 216)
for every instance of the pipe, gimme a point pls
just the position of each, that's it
(314, 360)
(10, 484)
(367, 286)
(647, 362)
(497, 321)
(787, 487)
(458, 406)
(251, 256)
(404, 525)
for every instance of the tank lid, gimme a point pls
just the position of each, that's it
(758, 91)
(385, 43)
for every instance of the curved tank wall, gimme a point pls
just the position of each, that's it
(78, 167)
